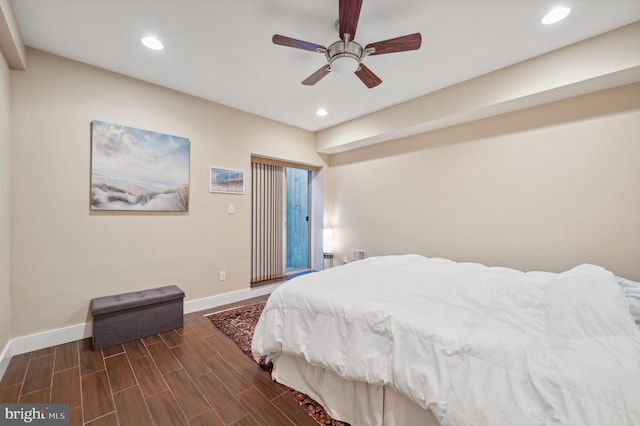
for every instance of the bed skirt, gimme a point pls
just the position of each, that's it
(357, 403)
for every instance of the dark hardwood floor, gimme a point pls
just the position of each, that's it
(191, 376)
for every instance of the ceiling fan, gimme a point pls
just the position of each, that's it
(345, 55)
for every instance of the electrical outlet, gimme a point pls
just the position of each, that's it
(223, 275)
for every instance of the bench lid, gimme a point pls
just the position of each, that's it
(119, 302)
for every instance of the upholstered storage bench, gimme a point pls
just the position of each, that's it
(129, 316)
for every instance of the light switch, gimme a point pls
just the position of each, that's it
(231, 208)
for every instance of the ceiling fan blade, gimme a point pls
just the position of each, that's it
(317, 76)
(349, 13)
(368, 77)
(298, 44)
(398, 44)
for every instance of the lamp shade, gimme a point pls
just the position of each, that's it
(327, 240)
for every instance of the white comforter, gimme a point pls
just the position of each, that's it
(476, 345)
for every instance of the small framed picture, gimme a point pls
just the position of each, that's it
(227, 181)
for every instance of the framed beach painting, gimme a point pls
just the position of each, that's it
(138, 170)
(227, 181)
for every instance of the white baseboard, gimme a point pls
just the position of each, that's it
(45, 339)
(4, 359)
(226, 298)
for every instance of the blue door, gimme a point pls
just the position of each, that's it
(298, 224)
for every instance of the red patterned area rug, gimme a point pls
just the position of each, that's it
(238, 324)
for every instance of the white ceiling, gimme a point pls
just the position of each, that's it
(221, 50)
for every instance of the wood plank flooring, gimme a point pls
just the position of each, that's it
(191, 376)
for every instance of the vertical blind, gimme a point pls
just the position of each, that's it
(267, 217)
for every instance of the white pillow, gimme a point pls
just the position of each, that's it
(631, 291)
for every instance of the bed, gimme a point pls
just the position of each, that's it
(404, 340)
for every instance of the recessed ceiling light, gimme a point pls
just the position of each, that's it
(152, 43)
(556, 15)
(321, 112)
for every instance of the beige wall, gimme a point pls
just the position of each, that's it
(5, 190)
(544, 188)
(62, 255)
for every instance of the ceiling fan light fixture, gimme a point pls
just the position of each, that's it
(344, 64)
(152, 43)
(556, 15)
